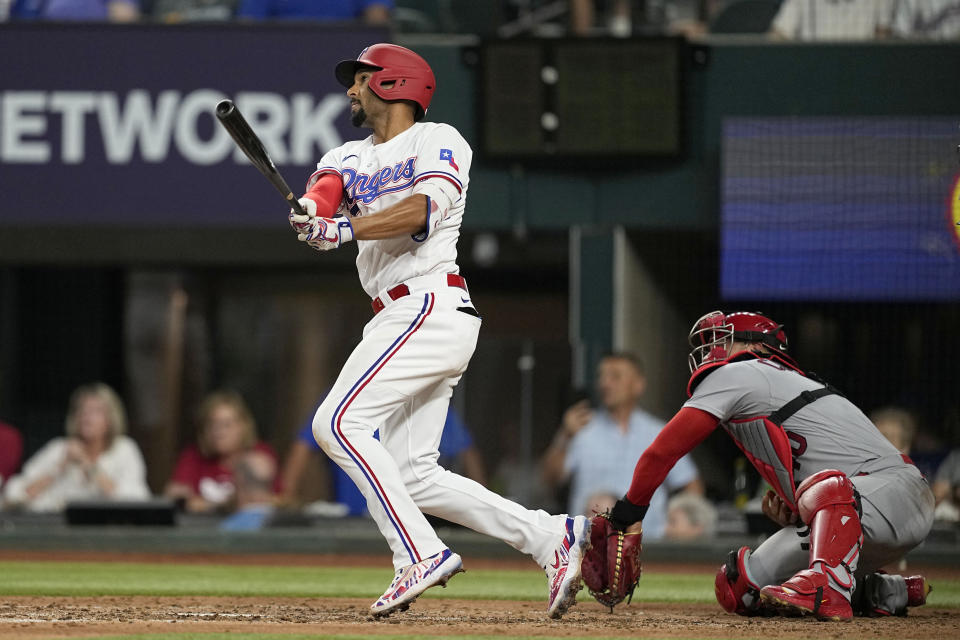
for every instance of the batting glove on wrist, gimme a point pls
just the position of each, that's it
(300, 223)
(328, 233)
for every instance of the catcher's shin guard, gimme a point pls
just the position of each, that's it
(736, 591)
(827, 502)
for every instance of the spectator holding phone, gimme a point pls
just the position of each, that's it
(593, 449)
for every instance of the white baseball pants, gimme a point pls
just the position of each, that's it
(399, 380)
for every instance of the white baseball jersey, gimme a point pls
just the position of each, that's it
(414, 350)
(429, 158)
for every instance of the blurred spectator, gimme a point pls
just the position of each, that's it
(686, 17)
(933, 19)
(204, 474)
(94, 10)
(377, 12)
(11, 449)
(94, 461)
(833, 20)
(597, 450)
(614, 13)
(897, 425)
(946, 488)
(173, 11)
(690, 517)
(254, 476)
(457, 453)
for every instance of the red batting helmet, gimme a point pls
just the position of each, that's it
(410, 74)
(714, 333)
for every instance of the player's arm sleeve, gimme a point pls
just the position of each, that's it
(685, 431)
(327, 192)
(683, 473)
(441, 174)
(325, 185)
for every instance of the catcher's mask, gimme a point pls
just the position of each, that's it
(714, 333)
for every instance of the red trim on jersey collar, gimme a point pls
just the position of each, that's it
(741, 356)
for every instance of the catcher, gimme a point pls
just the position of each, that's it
(848, 502)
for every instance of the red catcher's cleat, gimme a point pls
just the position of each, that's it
(808, 593)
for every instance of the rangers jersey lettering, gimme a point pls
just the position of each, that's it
(429, 158)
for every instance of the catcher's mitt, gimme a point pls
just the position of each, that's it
(611, 568)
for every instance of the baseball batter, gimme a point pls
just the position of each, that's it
(848, 501)
(400, 194)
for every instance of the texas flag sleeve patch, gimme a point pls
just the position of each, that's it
(447, 155)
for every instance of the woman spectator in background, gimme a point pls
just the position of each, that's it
(94, 461)
(204, 475)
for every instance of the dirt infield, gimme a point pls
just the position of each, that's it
(32, 617)
(76, 617)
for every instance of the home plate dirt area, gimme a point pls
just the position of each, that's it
(69, 617)
(36, 617)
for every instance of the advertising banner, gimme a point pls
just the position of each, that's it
(111, 124)
(843, 209)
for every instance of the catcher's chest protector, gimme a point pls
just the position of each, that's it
(766, 445)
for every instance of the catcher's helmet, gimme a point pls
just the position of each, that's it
(410, 74)
(714, 333)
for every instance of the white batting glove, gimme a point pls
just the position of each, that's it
(328, 233)
(300, 223)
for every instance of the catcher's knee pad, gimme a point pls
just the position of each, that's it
(824, 489)
(736, 591)
(828, 504)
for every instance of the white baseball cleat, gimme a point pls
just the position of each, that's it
(414, 579)
(563, 574)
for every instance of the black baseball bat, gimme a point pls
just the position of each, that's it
(239, 129)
